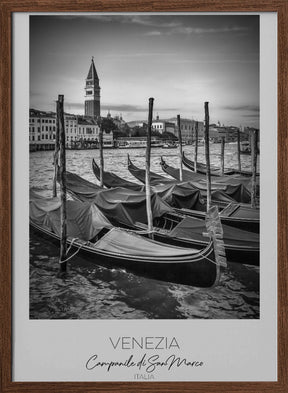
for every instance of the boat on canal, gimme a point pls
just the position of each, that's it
(187, 199)
(127, 208)
(92, 234)
(214, 169)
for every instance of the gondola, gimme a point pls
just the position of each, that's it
(214, 170)
(127, 208)
(220, 192)
(91, 234)
(188, 200)
(139, 174)
(235, 190)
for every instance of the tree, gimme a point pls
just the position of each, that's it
(107, 124)
(169, 135)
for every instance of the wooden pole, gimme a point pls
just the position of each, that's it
(63, 246)
(222, 154)
(207, 154)
(101, 154)
(196, 147)
(180, 148)
(253, 166)
(147, 172)
(239, 150)
(56, 151)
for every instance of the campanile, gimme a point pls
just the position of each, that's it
(92, 92)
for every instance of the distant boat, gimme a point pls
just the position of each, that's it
(169, 146)
(138, 144)
(134, 145)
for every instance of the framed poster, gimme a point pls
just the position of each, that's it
(119, 326)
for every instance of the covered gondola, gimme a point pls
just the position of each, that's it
(189, 200)
(236, 191)
(90, 233)
(214, 170)
(127, 208)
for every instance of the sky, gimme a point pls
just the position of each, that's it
(179, 60)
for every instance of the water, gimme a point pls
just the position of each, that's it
(94, 292)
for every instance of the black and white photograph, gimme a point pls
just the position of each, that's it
(144, 166)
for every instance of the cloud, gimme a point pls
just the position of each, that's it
(251, 116)
(153, 33)
(74, 105)
(146, 20)
(250, 108)
(200, 30)
(116, 107)
(131, 108)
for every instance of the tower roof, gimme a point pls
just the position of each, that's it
(92, 74)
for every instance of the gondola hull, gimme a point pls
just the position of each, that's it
(214, 171)
(192, 270)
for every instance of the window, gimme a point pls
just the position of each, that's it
(42, 136)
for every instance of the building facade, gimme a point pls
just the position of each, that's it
(163, 126)
(188, 129)
(229, 133)
(81, 132)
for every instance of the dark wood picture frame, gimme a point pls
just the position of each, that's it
(8, 7)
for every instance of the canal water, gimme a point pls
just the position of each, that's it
(90, 291)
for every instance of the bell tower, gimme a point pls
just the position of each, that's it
(92, 92)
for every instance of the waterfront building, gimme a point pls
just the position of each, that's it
(230, 133)
(188, 129)
(163, 126)
(71, 129)
(92, 93)
(87, 131)
(42, 128)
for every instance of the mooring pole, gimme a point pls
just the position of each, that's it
(63, 246)
(207, 154)
(180, 148)
(147, 172)
(101, 154)
(222, 154)
(239, 150)
(253, 142)
(56, 151)
(196, 147)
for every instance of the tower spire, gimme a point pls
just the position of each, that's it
(92, 90)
